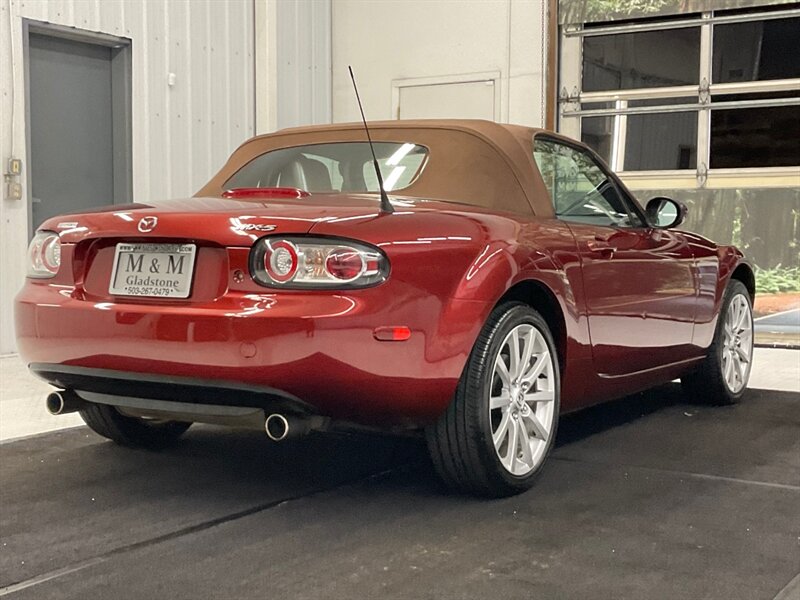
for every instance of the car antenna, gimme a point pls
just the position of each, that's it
(386, 206)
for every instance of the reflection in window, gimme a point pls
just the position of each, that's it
(756, 51)
(755, 137)
(333, 167)
(643, 59)
(579, 189)
(598, 134)
(395, 170)
(661, 141)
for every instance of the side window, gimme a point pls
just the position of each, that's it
(579, 188)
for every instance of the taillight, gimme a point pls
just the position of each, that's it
(345, 264)
(316, 263)
(280, 261)
(44, 255)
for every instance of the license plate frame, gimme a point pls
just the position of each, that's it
(153, 270)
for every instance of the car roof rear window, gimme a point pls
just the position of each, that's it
(333, 167)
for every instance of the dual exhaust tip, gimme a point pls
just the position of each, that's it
(276, 425)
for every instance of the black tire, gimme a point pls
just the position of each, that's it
(706, 385)
(460, 442)
(108, 422)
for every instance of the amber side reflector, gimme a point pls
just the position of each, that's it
(392, 334)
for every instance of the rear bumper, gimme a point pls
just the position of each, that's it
(314, 350)
(169, 388)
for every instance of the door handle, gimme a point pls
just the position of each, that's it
(602, 248)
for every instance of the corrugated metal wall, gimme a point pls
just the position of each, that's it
(303, 47)
(181, 133)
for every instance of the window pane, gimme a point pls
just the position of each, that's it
(579, 189)
(598, 134)
(333, 167)
(643, 59)
(396, 174)
(755, 137)
(756, 51)
(661, 141)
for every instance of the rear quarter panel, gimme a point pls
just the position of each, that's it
(450, 268)
(715, 267)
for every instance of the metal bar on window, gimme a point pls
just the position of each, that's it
(639, 94)
(704, 116)
(643, 110)
(571, 51)
(743, 87)
(681, 23)
(772, 177)
(620, 136)
(750, 87)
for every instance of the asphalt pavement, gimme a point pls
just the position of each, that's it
(780, 329)
(648, 497)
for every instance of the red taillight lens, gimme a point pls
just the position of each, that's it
(315, 262)
(345, 263)
(280, 261)
(44, 254)
(281, 192)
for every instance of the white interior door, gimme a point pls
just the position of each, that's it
(460, 100)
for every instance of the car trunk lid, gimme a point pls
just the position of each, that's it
(213, 225)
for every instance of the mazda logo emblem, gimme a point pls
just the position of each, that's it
(147, 224)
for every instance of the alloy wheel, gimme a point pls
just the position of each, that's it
(521, 400)
(737, 344)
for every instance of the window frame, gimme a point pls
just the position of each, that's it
(630, 203)
(570, 102)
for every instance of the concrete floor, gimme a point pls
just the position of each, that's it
(22, 410)
(648, 497)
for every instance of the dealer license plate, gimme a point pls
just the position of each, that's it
(154, 270)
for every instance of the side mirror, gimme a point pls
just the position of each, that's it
(665, 213)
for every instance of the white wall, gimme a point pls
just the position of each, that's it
(303, 51)
(181, 134)
(388, 40)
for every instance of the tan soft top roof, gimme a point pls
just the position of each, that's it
(490, 129)
(473, 161)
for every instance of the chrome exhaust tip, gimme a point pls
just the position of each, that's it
(277, 427)
(63, 402)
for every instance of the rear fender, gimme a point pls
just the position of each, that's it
(715, 272)
(526, 272)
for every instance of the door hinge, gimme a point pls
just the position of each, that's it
(702, 175)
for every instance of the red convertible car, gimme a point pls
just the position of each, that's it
(505, 278)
